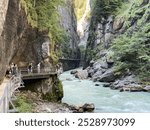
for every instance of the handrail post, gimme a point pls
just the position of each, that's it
(4, 105)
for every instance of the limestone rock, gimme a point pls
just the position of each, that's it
(108, 76)
(147, 88)
(118, 23)
(45, 49)
(132, 88)
(84, 108)
(97, 75)
(69, 23)
(82, 74)
(88, 107)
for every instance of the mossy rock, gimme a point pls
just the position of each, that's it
(57, 93)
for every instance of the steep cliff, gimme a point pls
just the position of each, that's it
(69, 48)
(118, 43)
(3, 62)
(31, 32)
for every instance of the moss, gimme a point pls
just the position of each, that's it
(57, 92)
(50, 97)
(30, 11)
(60, 88)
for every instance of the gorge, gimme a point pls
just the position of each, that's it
(109, 37)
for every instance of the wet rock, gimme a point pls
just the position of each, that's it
(88, 107)
(68, 79)
(128, 83)
(136, 89)
(132, 88)
(73, 72)
(106, 85)
(83, 74)
(84, 108)
(147, 88)
(97, 84)
(90, 72)
(80, 110)
(91, 63)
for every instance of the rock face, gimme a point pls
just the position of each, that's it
(3, 12)
(102, 32)
(69, 23)
(20, 43)
(69, 49)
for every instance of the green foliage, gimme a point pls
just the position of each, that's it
(23, 105)
(43, 14)
(82, 49)
(30, 12)
(105, 8)
(57, 93)
(60, 87)
(131, 49)
(123, 10)
(132, 52)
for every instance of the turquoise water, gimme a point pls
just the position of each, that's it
(78, 92)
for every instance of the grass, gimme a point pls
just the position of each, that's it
(23, 105)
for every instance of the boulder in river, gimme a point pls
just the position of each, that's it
(73, 72)
(68, 79)
(84, 108)
(106, 85)
(108, 76)
(132, 88)
(82, 74)
(88, 107)
(147, 89)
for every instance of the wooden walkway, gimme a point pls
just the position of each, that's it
(43, 74)
(37, 76)
(9, 86)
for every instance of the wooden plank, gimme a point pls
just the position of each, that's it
(37, 76)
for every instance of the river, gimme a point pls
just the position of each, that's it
(77, 92)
